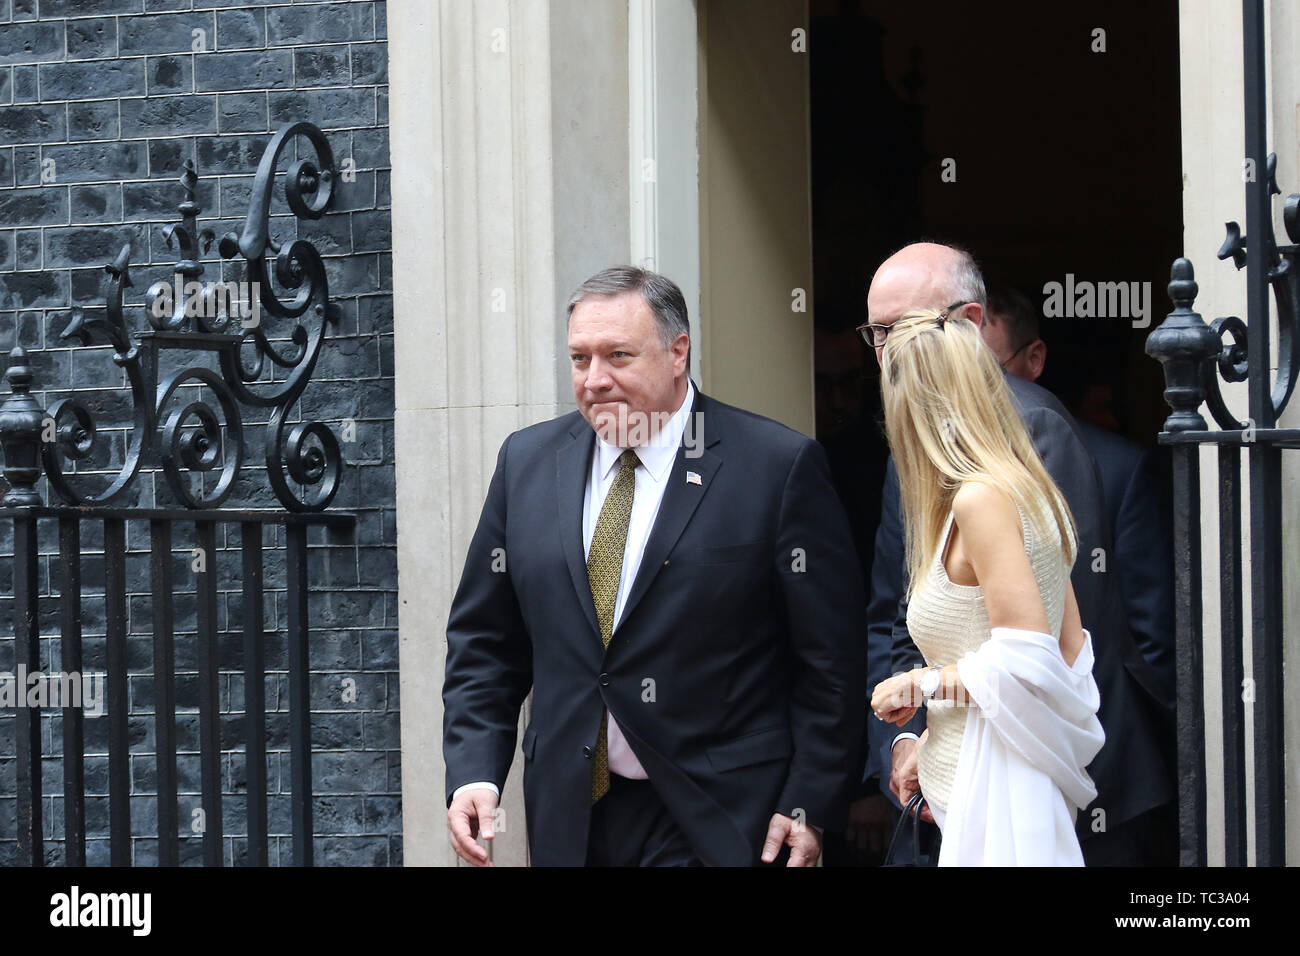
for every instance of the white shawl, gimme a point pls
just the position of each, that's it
(1031, 730)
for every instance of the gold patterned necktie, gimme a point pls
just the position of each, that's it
(604, 568)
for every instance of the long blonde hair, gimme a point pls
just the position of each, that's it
(950, 418)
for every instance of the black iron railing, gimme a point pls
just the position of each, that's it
(187, 438)
(1194, 357)
(200, 533)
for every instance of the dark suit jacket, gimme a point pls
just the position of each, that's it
(888, 585)
(746, 614)
(1142, 529)
(1134, 770)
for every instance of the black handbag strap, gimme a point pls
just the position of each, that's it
(913, 809)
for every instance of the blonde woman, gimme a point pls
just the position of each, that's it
(990, 542)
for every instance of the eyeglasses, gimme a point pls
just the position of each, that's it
(875, 333)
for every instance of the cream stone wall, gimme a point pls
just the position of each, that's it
(1213, 192)
(509, 156)
(756, 208)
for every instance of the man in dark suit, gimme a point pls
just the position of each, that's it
(675, 581)
(1138, 509)
(1133, 771)
(1142, 524)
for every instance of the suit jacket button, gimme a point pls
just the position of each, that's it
(604, 680)
(587, 752)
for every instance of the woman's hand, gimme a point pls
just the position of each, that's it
(897, 699)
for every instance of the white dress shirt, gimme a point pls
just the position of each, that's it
(650, 480)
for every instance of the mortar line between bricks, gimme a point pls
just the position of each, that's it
(206, 176)
(56, 100)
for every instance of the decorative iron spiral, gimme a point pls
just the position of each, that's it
(75, 430)
(291, 286)
(319, 469)
(298, 271)
(1231, 364)
(201, 450)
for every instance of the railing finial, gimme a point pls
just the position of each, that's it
(1183, 343)
(21, 418)
(1182, 285)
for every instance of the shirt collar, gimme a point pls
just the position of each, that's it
(658, 456)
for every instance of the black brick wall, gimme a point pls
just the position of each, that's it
(101, 102)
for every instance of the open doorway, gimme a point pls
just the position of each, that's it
(1044, 139)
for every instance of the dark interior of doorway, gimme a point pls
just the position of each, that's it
(1067, 162)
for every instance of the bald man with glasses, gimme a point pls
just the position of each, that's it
(1134, 770)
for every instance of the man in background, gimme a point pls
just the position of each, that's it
(1136, 505)
(1133, 772)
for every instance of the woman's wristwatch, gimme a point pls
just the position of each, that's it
(930, 681)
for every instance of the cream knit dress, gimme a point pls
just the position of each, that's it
(947, 620)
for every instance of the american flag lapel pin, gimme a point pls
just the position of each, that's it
(693, 479)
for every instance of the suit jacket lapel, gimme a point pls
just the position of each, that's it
(679, 502)
(572, 463)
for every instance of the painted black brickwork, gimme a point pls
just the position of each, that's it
(101, 101)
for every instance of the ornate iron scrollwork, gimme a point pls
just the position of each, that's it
(193, 438)
(74, 424)
(1283, 276)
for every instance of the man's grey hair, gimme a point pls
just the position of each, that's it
(660, 293)
(967, 282)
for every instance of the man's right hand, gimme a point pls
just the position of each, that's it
(903, 780)
(470, 812)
